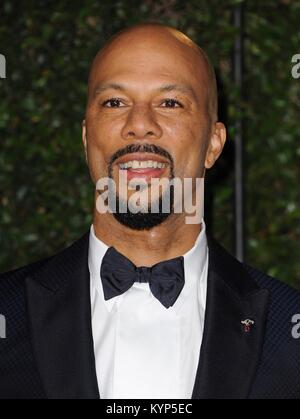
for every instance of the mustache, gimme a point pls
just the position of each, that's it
(141, 148)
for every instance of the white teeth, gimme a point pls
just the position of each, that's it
(135, 164)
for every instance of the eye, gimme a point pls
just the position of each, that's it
(172, 103)
(114, 102)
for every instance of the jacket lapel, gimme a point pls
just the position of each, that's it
(229, 354)
(59, 310)
(58, 297)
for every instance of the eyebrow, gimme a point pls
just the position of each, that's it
(100, 88)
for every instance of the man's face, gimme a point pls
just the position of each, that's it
(147, 110)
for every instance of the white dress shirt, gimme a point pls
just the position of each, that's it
(142, 349)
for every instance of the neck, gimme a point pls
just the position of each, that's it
(170, 239)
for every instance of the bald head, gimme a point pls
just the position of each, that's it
(152, 95)
(151, 40)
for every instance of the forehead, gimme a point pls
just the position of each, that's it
(149, 61)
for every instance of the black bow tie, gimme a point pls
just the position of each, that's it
(166, 279)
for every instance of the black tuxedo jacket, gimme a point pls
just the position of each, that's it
(48, 349)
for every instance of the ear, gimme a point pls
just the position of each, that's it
(84, 139)
(216, 144)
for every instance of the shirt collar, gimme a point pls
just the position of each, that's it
(195, 261)
(194, 264)
(97, 250)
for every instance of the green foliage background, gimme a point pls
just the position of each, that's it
(45, 190)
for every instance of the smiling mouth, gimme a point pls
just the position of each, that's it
(142, 165)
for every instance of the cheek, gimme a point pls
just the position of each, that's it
(99, 131)
(100, 147)
(190, 150)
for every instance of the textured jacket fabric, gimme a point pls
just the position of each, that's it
(48, 348)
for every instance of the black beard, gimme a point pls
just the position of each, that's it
(143, 220)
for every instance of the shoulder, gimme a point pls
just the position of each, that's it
(238, 273)
(283, 314)
(12, 282)
(12, 287)
(282, 296)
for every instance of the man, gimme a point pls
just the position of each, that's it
(145, 305)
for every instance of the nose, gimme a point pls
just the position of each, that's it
(141, 124)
